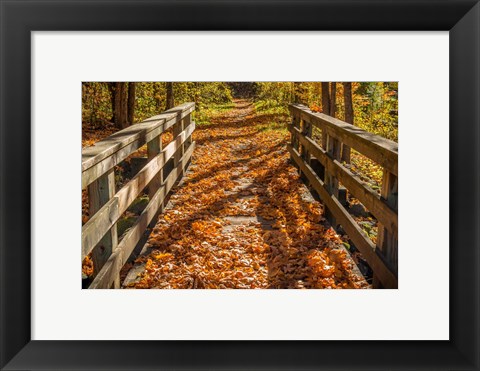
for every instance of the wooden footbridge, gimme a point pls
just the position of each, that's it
(318, 159)
(321, 168)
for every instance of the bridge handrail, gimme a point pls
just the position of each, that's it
(321, 167)
(99, 233)
(105, 154)
(381, 150)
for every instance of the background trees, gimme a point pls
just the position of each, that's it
(123, 103)
(170, 100)
(372, 106)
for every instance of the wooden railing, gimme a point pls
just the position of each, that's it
(321, 167)
(106, 206)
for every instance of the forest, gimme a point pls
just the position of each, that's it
(374, 104)
(267, 185)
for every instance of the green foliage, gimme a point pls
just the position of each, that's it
(150, 98)
(375, 104)
(376, 108)
(204, 116)
(94, 93)
(274, 94)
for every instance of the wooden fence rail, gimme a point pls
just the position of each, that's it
(320, 166)
(99, 233)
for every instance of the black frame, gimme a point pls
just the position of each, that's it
(19, 17)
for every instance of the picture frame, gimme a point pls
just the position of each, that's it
(20, 18)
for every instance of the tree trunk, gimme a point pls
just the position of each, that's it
(333, 98)
(158, 100)
(325, 109)
(131, 103)
(111, 88)
(170, 101)
(348, 100)
(296, 89)
(325, 98)
(120, 105)
(197, 98)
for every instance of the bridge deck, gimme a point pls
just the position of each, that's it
(242, 218)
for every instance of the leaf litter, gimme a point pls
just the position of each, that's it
(239, 220)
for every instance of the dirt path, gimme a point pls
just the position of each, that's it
(241, 218)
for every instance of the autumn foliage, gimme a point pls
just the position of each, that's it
(242, 217)
(240, 169)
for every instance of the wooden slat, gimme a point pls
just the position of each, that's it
(381, 150)
(99, 193)
(99, 224)
(100, 150)
(369, 198)
(105, 154)
(119, 257)
(154, 147)
(356, 234)
(331, 181)
(388, 240)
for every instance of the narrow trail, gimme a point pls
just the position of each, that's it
(241, 218)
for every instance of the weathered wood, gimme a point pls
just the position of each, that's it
(349, 116)
(387, 240)
(306, 131)
(177, 129)
(186, 122)
(356, 234)
(369, 198)
(100, 150)
(294, 124)
(331, 181)
(119, 257)
(381, 150)
(99, 193)
(104, 219)
(105, 154)
(154, 147)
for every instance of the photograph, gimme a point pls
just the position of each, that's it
(230, 146)
(239, 185)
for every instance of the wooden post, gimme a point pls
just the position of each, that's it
(324, 139)
(387, 242)
(188, 141)
(306, 128)
(154, 147)
(177, 129)
(99, 192)
(295, 144)
(331, 182)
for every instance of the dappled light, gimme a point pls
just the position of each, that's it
(278, 185)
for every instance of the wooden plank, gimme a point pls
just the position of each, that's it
(369, 198)
(104, 165)
(177, 130)
(154, 147)
(119, 257)
(356, 234)
(103, 220)
(294, 124)
(388, 240)
(187, 121)
(381, 150)
(100, 150)
(306, 130)
(105, 154)
(331, 181)
(99, 193)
